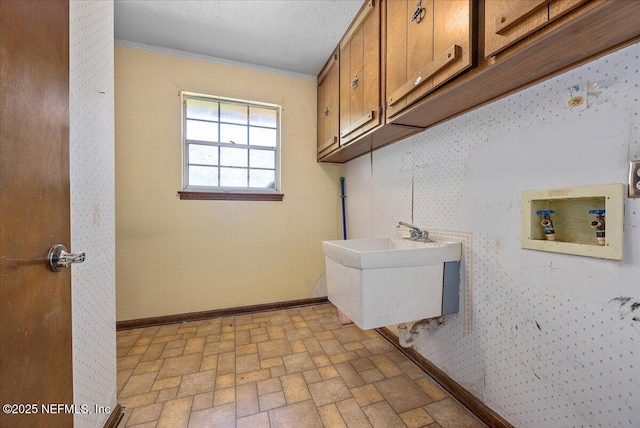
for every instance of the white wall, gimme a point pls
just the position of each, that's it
(550, 346)
(92, 207)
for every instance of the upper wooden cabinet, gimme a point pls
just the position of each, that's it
(424, 62)
(428, 43)
(360, 74)
(508, 21)
(328, 107)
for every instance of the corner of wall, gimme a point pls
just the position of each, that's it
(91, 148)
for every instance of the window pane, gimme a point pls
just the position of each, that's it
(262, 178)
(262, 137)
(233, 113)
(233, 157)
(233, 177)
(233, 134)
(262, 159)
(203, 176)
(262, 117)
(203, 131)
(205, 155)
(231, 144)
(200, 109)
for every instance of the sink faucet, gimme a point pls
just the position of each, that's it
(416, 233)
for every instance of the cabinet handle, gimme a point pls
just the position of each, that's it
(331, 141)
(516, 13)
(450, 55)
(354, 82)
(419, 13)
(325, 112)
(358, 123)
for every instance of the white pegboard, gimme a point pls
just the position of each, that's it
(391, 196)
(358, 197)
(552, 343)
(92, 177)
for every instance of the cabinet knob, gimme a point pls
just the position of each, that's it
(325, 112)
(354, 82)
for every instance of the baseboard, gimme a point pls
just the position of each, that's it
(470, 401)
(115, 417)
(215, 313)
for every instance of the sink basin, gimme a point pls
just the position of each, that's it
(389, 253)
(382, 282)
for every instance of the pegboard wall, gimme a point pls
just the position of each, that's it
(91, 148)
(556, 337)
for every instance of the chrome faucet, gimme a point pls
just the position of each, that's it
(416, 234)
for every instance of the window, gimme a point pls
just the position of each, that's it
(231, 148)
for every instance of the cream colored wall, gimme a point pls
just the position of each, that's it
(176, 256)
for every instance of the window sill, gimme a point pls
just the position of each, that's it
(229, 196)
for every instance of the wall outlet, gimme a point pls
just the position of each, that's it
(634, 179)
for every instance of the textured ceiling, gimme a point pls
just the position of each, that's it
(292, 35)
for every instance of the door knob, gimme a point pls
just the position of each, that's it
(59, 258)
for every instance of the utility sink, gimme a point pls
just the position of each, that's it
(384, 281)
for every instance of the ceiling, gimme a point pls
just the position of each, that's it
(291, 35)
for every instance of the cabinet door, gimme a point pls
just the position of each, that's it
(428, 43)
(360, 75)
(409, 50)
(507, 21)
(328, 118)
(557, 8)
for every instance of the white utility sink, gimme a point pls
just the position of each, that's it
(382, 282)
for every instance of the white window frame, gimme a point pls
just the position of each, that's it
(185, 145)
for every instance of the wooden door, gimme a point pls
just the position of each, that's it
(35, 303)
(508, 21)
(360, 74)
(452, 38)
(409, 51)
(428, 43)
(328, 107)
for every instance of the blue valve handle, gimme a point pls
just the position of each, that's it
(547, 225)
(597, 212)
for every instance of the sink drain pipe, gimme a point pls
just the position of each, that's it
(407, 336)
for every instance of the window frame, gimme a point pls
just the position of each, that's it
(226, 192)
